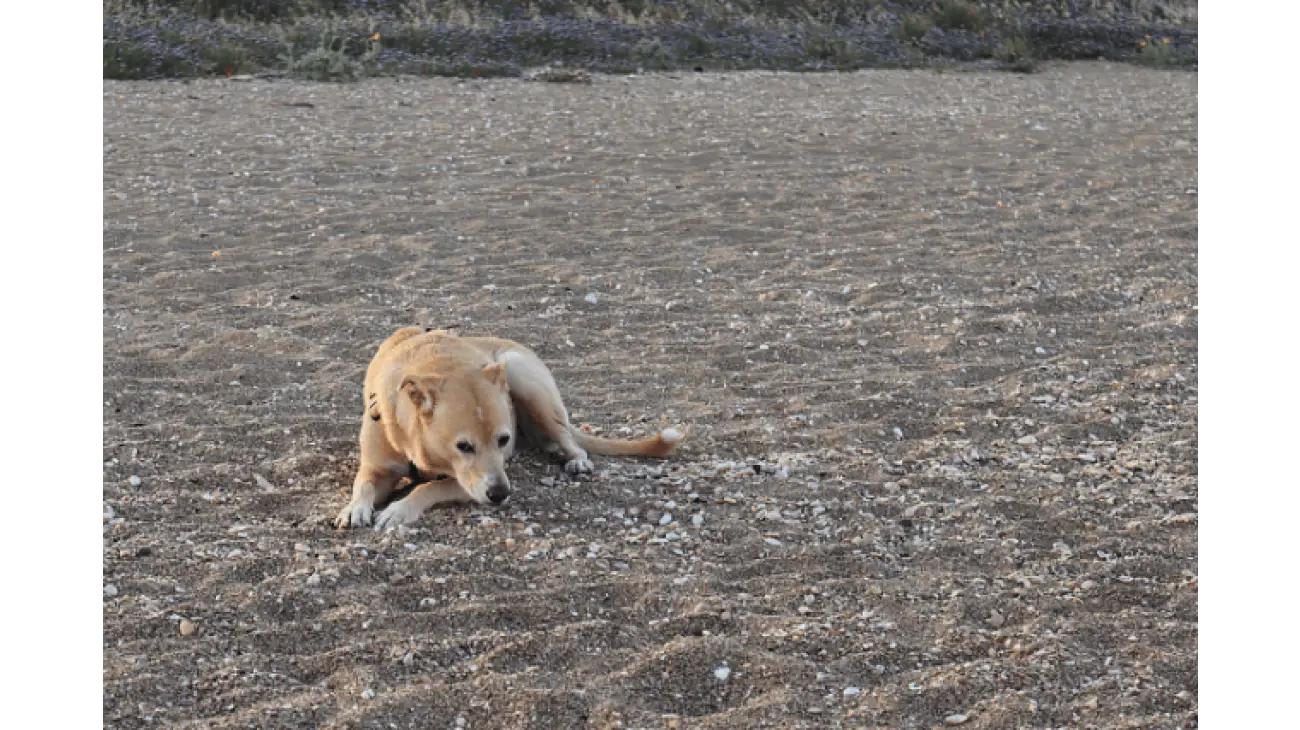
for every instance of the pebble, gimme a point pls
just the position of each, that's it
(722, 673)
(591, 298)
(1039, 351)
(996, 620)
(697, 519)
(313, 579)
(110, 590)
(771, 541)
(955, 720)
(898, 433)
(134, 481)
(666, 519)
(187, 627)
(852, 691)
(368, 693)
(1029, 440)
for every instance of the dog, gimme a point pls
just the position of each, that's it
(448, 411)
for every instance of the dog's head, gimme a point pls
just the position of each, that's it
(460, 422)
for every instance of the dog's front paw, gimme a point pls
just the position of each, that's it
(356, 514)
(397, 513)
(579, 466)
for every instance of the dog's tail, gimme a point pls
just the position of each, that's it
(661, 444)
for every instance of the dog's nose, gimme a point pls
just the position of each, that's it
(498, 493)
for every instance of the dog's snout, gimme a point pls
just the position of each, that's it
(497, 493)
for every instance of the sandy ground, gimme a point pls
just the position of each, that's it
(934, 336)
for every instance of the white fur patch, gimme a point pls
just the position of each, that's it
(671, 435)
(579, 466)
(356, 514)
(402, 512)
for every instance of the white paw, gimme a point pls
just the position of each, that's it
(397, 513)
(355, 514)
(579, 466)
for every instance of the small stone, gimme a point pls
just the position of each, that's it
(852, 691)
(313, 579)
(547, 481)
(187, 627)
(134, 481)
(955, 720)
(1039, 351)
(666, 519)
(996, 620)
(110, 590)
(591, 298)
(1029, 440)
(697, 519)
(721, 673)
(368, 693)
(771, 541)
(898, 433)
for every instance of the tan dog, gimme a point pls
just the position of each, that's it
(447, 411)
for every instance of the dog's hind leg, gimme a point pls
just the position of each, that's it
(540, 410)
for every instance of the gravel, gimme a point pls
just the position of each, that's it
(390, 202)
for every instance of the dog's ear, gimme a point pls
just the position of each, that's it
(496, 373)
(423, 392)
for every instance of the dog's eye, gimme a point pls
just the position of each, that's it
(501, 442)
(465, 447)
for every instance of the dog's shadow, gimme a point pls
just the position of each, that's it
(401, 491)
